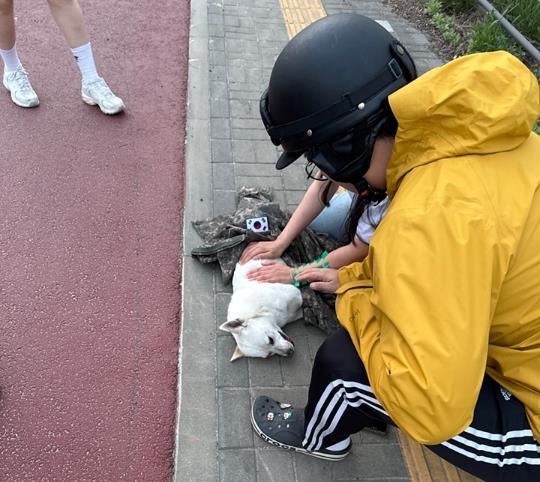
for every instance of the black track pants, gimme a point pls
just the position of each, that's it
(497, 446)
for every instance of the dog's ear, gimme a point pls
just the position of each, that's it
(233, 326)
(237, 354)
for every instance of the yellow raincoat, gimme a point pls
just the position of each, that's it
(451, 286)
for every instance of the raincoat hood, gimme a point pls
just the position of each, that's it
(477, 104)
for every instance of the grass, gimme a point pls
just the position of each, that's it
(487, 34)
(524, 15)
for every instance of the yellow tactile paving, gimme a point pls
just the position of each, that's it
(298, 14)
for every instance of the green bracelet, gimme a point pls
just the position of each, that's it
(318, 260)
(298, 283)
(294, 274)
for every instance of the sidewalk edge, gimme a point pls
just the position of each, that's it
(193, 446)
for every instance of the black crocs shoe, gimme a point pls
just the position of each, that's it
(282, 425)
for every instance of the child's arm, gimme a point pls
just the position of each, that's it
(351, 253)
(308, 209)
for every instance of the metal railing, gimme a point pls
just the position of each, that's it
(527, 46)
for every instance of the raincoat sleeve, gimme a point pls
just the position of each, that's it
(418, 311)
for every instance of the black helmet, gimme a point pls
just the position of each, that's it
(330, 85)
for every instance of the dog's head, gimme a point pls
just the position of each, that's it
(258, 337)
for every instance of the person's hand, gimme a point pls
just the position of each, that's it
(262, 250)
(325, 280)
(272, 272)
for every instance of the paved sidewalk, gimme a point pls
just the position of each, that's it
(233, 46)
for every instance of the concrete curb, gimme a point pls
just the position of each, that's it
(196, 424)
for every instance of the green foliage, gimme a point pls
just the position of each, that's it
(433, 7)
(459, 5)
(488, 35)
(443, 22)
(524, 15)
(446, 25)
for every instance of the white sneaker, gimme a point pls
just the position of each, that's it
(99, 93)
(19, 86)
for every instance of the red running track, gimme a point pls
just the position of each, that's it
(90, 246)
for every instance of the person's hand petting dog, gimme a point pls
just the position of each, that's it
(272, 272)
(262, 250)
(325, 280)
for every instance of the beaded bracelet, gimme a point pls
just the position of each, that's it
(321, 257)
(298, 283)
(295, 274)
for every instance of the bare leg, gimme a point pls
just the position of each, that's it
(68, 16)
(95, 91)
(7, 25)
(15, 78)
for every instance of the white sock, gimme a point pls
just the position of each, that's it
(85, 60)
(11, 59)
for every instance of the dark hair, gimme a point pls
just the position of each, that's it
(388, 129)
(324, 196)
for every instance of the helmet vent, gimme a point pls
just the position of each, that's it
(394, 67)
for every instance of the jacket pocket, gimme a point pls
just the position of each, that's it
(366, 283)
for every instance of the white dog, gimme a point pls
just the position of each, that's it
(257, 312)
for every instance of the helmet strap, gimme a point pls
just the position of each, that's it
(368, 193)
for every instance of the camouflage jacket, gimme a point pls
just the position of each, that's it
(225, 237)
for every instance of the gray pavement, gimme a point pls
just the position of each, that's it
(233, 45)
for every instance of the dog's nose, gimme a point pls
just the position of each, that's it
(290, 351)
